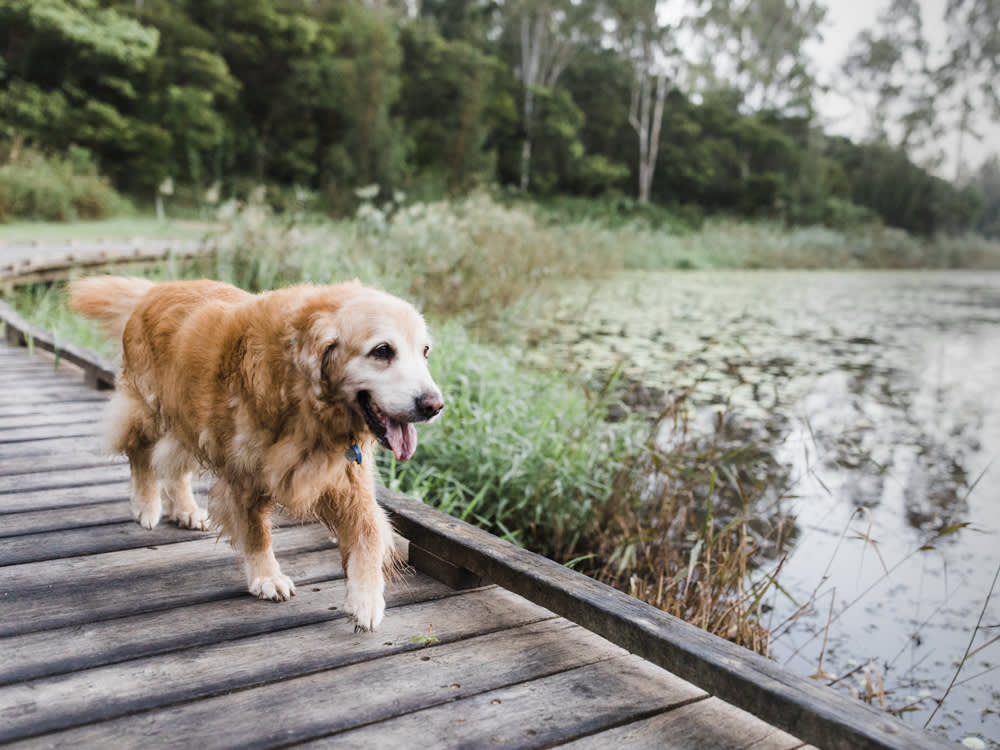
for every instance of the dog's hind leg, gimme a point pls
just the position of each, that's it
(246, 520)
(147, 506)
(130, 431)
(173, 466)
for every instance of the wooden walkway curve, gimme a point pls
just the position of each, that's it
(113, 636)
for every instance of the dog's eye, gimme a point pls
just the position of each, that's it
(383, 352)
(427, 352)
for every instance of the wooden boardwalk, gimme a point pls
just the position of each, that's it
(114, 636)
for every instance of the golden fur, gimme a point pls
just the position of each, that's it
(269, 392)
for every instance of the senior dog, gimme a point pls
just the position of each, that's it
(282, 396)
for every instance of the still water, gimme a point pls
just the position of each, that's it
(877, 394)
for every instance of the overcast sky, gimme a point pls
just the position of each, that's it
(848, 17)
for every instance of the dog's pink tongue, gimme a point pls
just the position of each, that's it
(402, 438)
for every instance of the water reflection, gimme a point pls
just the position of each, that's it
(863, 390)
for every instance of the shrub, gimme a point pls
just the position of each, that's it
(38, 187)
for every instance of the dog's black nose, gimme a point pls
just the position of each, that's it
(429, 405)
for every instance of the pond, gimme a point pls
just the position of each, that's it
(877, 394)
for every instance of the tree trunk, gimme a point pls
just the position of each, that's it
(525, 163)
(646, 117)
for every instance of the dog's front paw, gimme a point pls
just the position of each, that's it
(366, 607)
(196, 519)
(277, 588)
(147, 518)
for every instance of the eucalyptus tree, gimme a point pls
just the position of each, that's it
(759, 47)
(891, 71)
(547, 35)
(987, 181)
(648, 45)
(968, 78)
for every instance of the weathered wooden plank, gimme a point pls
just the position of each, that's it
(93, 540)
(806, 710)
(73, 517)
(88, 456)
(78, 590)
(707, 723)
(68, 497)
(35, 373)
(80, 697)
(23, 434)
(54, 416)
(20, 502)
(72, 448)
(537, 713)
(105, 473)
(13, 396)
(97, 644)
(40, 410)
(338, 699)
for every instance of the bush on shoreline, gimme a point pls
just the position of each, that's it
(67, 188)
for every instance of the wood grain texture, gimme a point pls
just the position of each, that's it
(87, 455)
(535, 713)
(12, 454)
(795, 704)
(52, 417)
(74, 517)
(77, 590)
(19, 502)
(90, 406)
(708, 723)
(53, 545)
(42, 432)
(97, 644)
(21, 395)
(394, 684)
(80, 697)
(104, 473)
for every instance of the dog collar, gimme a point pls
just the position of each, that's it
(353, 454)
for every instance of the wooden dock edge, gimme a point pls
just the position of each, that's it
(98, 372)
(41, 269)
(464, 555)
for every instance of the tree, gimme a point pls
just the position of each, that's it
(987, 181)
(70, 67)
(448, 90)
(969, 77)
(758, 47)
(188, 89)
(644, 42)
(889, 68)
(548, 35)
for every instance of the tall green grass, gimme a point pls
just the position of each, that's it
(525, 454)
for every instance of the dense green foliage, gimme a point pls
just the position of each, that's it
(329, 96)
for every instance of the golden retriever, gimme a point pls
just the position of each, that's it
(282, 396)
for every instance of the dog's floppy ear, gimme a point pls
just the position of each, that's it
(329, 361)
(315, 342)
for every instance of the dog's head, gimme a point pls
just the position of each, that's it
(367, 351)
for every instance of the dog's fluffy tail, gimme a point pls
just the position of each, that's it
(109, 300)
